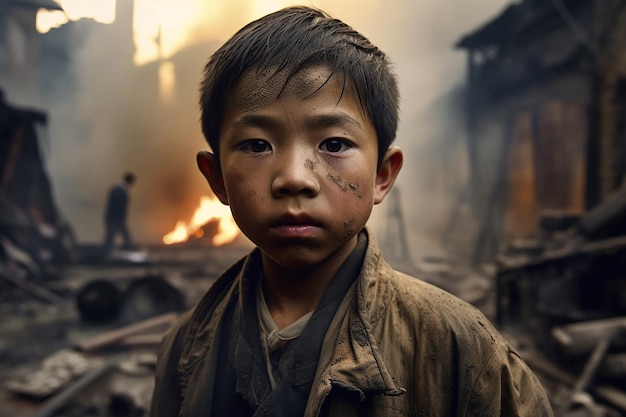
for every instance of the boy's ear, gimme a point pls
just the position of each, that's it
(387, 173)
(210, 168)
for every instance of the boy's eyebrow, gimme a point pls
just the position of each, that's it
(312, 122)
(255, 120)
(334, 119)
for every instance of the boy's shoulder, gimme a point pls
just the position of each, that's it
(423, 305)
(416, 293)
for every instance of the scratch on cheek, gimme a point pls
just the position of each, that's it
(348, 225)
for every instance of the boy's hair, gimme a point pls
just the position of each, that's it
(290, 40)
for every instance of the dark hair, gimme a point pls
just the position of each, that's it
(289, 40)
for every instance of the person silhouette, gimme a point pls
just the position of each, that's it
(117, 212)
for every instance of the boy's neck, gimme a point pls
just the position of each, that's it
(292, 293)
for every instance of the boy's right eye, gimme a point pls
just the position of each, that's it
(255, 146)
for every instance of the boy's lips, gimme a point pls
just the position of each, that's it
(292, 225)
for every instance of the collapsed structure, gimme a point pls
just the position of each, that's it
(546, 100)
(34, 236)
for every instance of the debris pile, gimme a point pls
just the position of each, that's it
(99, 376)
(563, 295)
(34, 236)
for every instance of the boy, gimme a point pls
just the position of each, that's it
(300, 112)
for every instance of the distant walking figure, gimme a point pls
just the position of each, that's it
(116, 212)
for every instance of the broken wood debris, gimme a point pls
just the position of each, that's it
(589, 372)
(55, 403)
(582, 337)
(18, 279)
(55, 372)
(118, 336)
(545, 366)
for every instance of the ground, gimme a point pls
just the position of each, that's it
(33, 330)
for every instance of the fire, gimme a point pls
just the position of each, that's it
(210, 208)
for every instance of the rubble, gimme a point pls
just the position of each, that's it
(55, 372)
(75, 349)
(34, 236)
(566, 297)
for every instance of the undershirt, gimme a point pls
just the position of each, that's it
(277, 384)
(275, 341)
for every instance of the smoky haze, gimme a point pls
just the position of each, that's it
(114, 120)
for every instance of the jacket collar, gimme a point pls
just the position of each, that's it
(350, 358)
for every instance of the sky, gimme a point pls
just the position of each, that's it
(418, 36)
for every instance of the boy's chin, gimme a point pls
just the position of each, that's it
(293, 261)
(296, 257)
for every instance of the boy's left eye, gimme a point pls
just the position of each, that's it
(335, 145)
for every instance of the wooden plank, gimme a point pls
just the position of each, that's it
(580, 338)
(112, 337)
(560, 156)
(589, 372)
(521, 213)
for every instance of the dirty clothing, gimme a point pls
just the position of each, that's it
(396, 346)
(283, 385)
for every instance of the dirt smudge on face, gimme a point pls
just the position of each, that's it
(309, 164)
(344, 185)
(348, 225)
(337, 180)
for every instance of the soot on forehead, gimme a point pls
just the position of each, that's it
(259, 88)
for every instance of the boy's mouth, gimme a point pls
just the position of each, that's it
(301, 219)
(295, 226)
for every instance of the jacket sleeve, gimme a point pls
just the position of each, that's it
(508, 387)
(166, 397)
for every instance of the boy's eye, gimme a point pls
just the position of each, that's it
(335, 145)
(255, 146)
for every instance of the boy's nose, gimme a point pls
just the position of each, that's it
(295, 175)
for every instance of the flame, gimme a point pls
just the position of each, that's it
(209, 208)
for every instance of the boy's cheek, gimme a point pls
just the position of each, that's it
(345, 185)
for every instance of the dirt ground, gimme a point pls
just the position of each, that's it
(38, 338)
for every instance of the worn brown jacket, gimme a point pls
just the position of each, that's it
(397, 346)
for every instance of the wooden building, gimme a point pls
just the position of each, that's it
(546, 113)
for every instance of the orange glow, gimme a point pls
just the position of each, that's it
(161, 28)
(210, 208)
(164, 27)
(167, 80)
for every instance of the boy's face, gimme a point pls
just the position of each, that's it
(299, 172)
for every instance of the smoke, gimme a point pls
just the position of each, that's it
(420, 37)
(114, 120)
